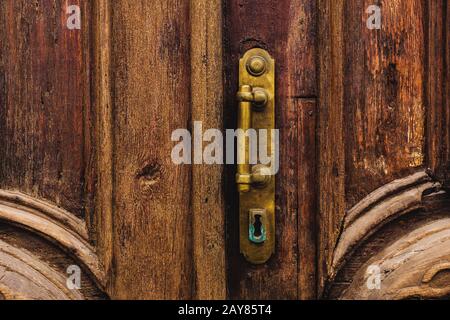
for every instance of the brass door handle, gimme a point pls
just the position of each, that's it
(255, 180)
(249, 98)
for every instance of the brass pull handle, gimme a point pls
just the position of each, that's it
(249, 98)
(255, 181)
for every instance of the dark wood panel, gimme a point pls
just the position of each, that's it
(43, 93)
(437, 89)
(287, 30)
(331, 153)
(152, 223)
(384, 95)
(307, 198)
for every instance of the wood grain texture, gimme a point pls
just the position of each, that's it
(447, 97)
(384, 96)
(43, 93)
(152, 224)
(437, 89)
(286, 29)
(379, 208)
(207, 189)
(54, 224)
(373, 97)
(99, 180)
(435, 86)
(330, 133)
(307, 199)
(47, 253)
(435, 207)
(24, 276)
(415, 266)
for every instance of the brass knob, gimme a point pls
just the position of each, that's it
(256, 66)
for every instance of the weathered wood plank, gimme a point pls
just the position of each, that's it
(330, 135)
(307, 199)
(437, 89)
(99, 181)
(447, 98)
(207, 188)
(152, 223)
(435, 31)
(384, 95)
(43, 95)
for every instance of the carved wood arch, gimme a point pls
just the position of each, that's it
(378, 208)
(415, 266)
(54, 224)
(413, 263)
(25, 276)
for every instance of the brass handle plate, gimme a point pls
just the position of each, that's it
(255, 184)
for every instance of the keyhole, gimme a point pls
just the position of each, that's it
(258, 226)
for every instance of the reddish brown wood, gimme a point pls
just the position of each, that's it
(331, 153)
(287, 30)
(384, 95)
(437, 89)
(376, 110)
(435, 31)
(307, 198)
(43, 95)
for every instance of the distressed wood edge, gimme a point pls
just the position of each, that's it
(331, 149)
(36, 219)
(378, 208)
(103, 138)
(436, 87)
(411, 267)
(20, 270)
(383, 192)
(51, 211)
(207, 106)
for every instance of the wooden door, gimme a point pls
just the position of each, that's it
(86, 175)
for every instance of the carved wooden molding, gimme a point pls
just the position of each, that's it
(54, 224)
(24, 276)
(381, 206)
(415, 266)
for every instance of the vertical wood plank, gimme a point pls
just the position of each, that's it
(331, 140)
(287, 30)
(384, 97)
(152, 196)
(307, 198)
(447, 94)
(435, 30)
(437, 89)
(102, 139)
(43, 96)
(207, 190)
